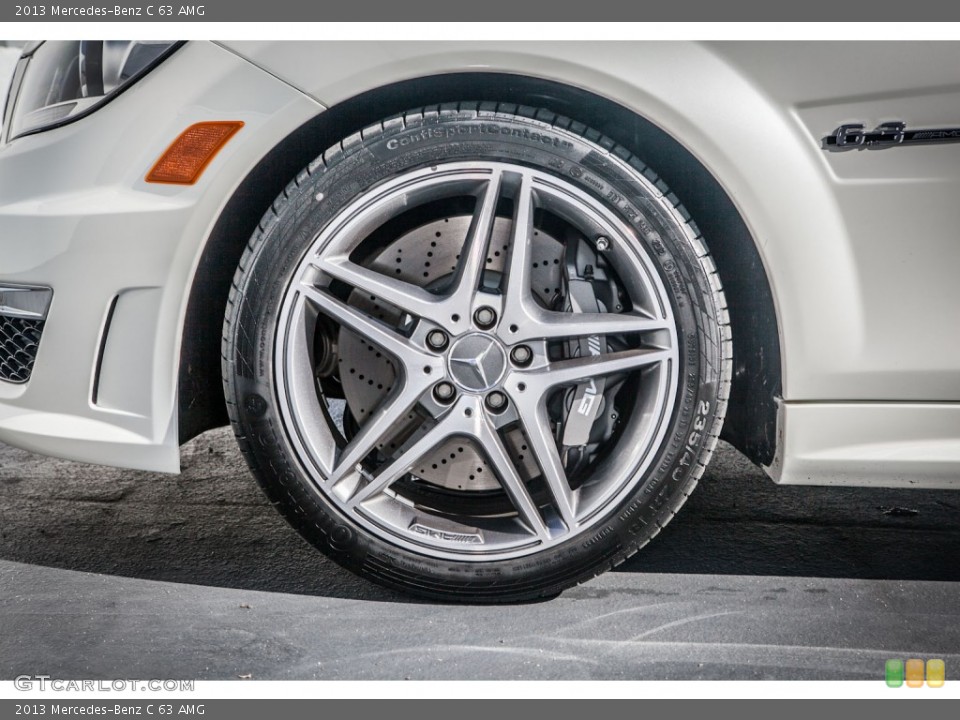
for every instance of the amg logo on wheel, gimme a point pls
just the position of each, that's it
(464, 538)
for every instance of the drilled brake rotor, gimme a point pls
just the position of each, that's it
(426, 257)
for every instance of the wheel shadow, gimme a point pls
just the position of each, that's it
(211, 526)
(739, 522)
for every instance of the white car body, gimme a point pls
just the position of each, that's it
(859, 248)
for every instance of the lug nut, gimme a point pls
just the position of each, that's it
(521, 355)
(437, 339)
(485, 317)
(496, 401)
(443, 392)
(603, 243)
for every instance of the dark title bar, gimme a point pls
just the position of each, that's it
(728, 11)
(467, 708)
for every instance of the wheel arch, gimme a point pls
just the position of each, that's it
(757, 377)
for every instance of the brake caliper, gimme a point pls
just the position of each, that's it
(588, 288)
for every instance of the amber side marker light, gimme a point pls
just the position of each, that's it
(185, 160)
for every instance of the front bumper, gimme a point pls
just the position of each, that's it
(76, 216)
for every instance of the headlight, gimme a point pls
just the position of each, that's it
(63, 80)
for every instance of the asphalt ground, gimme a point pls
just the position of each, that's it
(111, 573)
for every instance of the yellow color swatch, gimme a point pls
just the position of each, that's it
(936, 671)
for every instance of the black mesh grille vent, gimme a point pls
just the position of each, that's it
(19, 340)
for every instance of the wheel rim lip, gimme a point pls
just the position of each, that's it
(287, 356)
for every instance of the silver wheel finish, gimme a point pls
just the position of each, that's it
(469, 445)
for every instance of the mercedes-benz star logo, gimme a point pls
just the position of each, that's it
(477, 362)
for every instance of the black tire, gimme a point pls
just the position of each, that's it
(534, 138)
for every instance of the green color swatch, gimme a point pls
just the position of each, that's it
(894, 673)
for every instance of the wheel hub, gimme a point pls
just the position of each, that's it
(477, 362)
